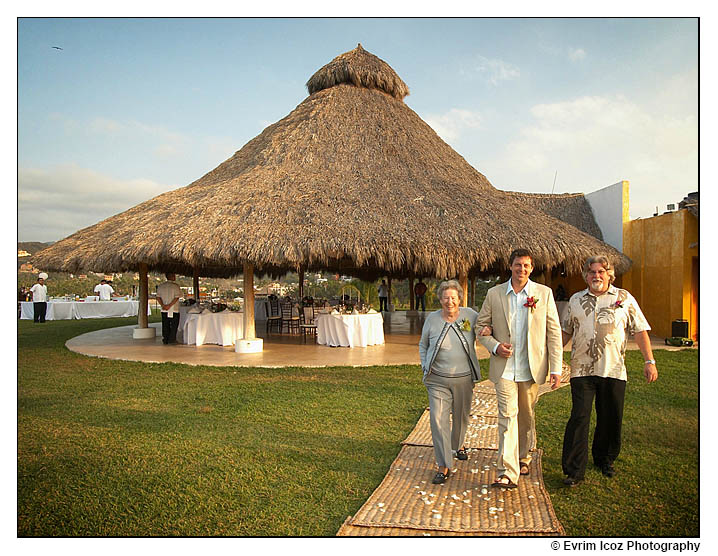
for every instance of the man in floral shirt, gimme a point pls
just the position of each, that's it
(599, 320)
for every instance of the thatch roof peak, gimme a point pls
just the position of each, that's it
(361, 69)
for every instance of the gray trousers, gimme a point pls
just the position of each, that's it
(448, 396)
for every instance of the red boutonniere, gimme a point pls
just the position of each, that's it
(618, 304)
(531, 303)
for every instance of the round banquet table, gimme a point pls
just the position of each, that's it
(223, 328)
(350, 330)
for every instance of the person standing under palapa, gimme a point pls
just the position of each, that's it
(39, 300)
(168, 294)
(523, 335)
(598, 320)
(448, 361)
(383, 291)
(104, 290)
(420, 294)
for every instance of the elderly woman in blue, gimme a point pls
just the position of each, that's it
(448, 359)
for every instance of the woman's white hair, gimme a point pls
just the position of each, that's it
(450, 285)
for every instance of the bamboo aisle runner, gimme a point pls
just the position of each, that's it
(406, 503)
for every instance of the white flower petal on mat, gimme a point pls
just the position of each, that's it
(451, 504)
(474, 471)
(493, 509)
(487, 499)
(517, 514)
(465, 501)
(380, 504)
(484, 491)
(437, 516)
(426, 534)
(422, 492)
(531, 496)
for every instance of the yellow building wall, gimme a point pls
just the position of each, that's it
(661, 278)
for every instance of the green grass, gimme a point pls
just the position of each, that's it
(655, 490)
(125, 448)
(111, 448)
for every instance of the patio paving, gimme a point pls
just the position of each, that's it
(401, 336)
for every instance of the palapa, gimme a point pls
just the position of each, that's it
(351, 181)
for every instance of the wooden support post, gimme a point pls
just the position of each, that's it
(464, 282)
(388, 294)
(249, 331)
(472, 285)
(249, 343)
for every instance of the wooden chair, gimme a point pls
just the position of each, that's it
(288, 319)
(308, 324)
(274, 318)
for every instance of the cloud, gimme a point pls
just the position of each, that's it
(56, 202)
(655, 151)
(491, 70)
(450, 125)
(576, 54)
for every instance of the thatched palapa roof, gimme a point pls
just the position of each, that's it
(572, 208)
(351, 181)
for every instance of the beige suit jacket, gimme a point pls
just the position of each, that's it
(545, 347)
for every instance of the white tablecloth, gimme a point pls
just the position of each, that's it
(63, 310)
(222, 329)
(350, 330)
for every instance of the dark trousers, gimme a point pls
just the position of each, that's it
(39, 308)
(169, 327)
(609, 394)
(420, 299)
(382, 303)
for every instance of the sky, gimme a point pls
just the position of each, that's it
(126, 109)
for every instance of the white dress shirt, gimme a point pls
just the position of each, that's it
(517, 366)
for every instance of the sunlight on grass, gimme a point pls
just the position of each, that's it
(127, 448)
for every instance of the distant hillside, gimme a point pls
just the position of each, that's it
(33, 247)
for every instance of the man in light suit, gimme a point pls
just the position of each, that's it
(523, 336)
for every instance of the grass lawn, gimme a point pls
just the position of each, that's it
(109, 448)
(655, 490)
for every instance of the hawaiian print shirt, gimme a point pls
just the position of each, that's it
(600, 326)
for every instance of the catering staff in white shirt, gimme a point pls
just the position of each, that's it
(39, 299)
(104, 290)
(168, 294)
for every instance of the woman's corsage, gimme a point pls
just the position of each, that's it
(531, 303)
(464, 325)
(618, 304)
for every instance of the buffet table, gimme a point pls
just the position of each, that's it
(223, 328)
(350, 330)
(64, 310)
